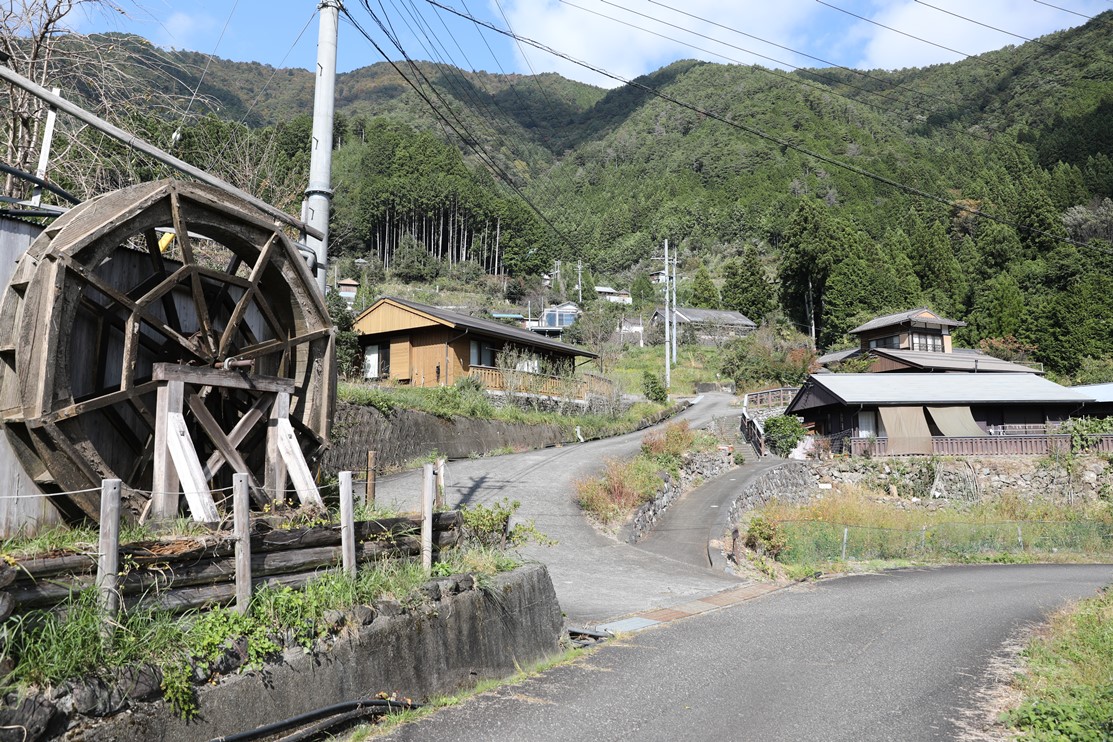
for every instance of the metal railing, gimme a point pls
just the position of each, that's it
(770, 397)
(526, 382)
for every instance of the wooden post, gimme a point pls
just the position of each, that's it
(427, 518)
(241, 517)
(438, 504)
(369, 493)
(164, 495)
(347, 525)
(108, 550)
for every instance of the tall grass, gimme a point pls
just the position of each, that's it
(1068, 685)
(695, 363)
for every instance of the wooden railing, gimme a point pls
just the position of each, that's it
(984, 445)
(524, 382)
(770, 397)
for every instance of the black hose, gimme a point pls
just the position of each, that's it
(314, 730)
(386, 706)
(5, 168)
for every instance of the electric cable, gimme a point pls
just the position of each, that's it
(783, 143)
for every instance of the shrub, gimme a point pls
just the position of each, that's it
(783, 433)
(654, 388)
(766, 537)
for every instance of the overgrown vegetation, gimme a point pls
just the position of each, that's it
(783, 432)
(1067, 686)
(872, 528)
(625, 485)
(466, 400)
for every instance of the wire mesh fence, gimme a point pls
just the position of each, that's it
(818, 541)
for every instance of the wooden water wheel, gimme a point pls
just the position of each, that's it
(104, 294)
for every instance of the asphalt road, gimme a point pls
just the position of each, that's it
(596, 577)
(892, 656)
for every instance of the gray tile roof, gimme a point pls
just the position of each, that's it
(899, 317)
(961, 360)
(1100, 392)
(685, 315)
(921, 389)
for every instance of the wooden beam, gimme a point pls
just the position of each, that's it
(164, 484)
(184, 455)
(237, 435)
(205, 376)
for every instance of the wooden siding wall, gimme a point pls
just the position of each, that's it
(20, 510)
(390, 318)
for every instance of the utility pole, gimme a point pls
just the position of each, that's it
(668, 344)
(318, 196)
(580, 281)
(44, 151)
(675, 333)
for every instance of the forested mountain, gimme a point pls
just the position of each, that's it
(977, 187)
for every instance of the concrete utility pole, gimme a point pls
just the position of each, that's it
(318, 196)
(673, 306)
(668, 344)
(580, 281)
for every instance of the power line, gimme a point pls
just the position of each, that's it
(1000, 30)
(772, 138)
(894, 30)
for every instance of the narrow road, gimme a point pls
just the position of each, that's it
(893, 656)
(596, 577)
(692, 521)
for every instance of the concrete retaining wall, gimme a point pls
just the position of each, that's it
(406, 435)
(442, 646)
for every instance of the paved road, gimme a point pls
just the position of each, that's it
(699, 516)
(893, 656)
(596, 577)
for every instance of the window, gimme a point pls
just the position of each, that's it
(929, 343)
(891, 341)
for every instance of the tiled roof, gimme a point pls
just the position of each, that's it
(920, 313)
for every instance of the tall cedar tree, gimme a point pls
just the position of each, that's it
(704, 293)
(745, 288)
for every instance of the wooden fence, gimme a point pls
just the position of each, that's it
(985, 445)
(524, 382)
(186, 573)
(770, 397)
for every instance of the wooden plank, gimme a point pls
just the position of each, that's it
(249, 420)
(242, 518)
(369, 492)
(427, 495)
(164, 485)
(275, 474)
(296, 466)
(188, 258)
(105, 400)
(212, 429)
(108, 551)
(188, 466)
(205, 376)
(251, 288)
(347, 524)
(159, 266)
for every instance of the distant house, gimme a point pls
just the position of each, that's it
(606, 293)
(941, 414)
(347, 288)
(1102, 406)
(555, 319)
(420, 345)
(658, 276)
(918, 340)
(710, 326)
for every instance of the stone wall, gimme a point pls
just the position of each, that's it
(793, 482)
(456, 637)
(695, 468)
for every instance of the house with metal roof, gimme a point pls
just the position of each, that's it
(918, 340)
(421, 345)
(936, 413)
(710, 326)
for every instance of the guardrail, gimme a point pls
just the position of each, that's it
(770, 397)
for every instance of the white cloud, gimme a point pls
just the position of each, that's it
(614, 45)
(937, 21)
(184, 31)
(579, 29)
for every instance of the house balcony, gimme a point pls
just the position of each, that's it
(542, 385)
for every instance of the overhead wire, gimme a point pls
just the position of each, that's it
(999, 30)
(755, 131)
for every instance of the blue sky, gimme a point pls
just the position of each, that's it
(626, 37)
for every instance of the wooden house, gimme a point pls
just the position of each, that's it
(416, 344)
(918, 340)
(709, 326)
(942, 414)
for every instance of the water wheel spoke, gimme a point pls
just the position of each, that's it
(250, 292)
(268, 347)
(196, 286)
(99, 401)
(168, 306)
